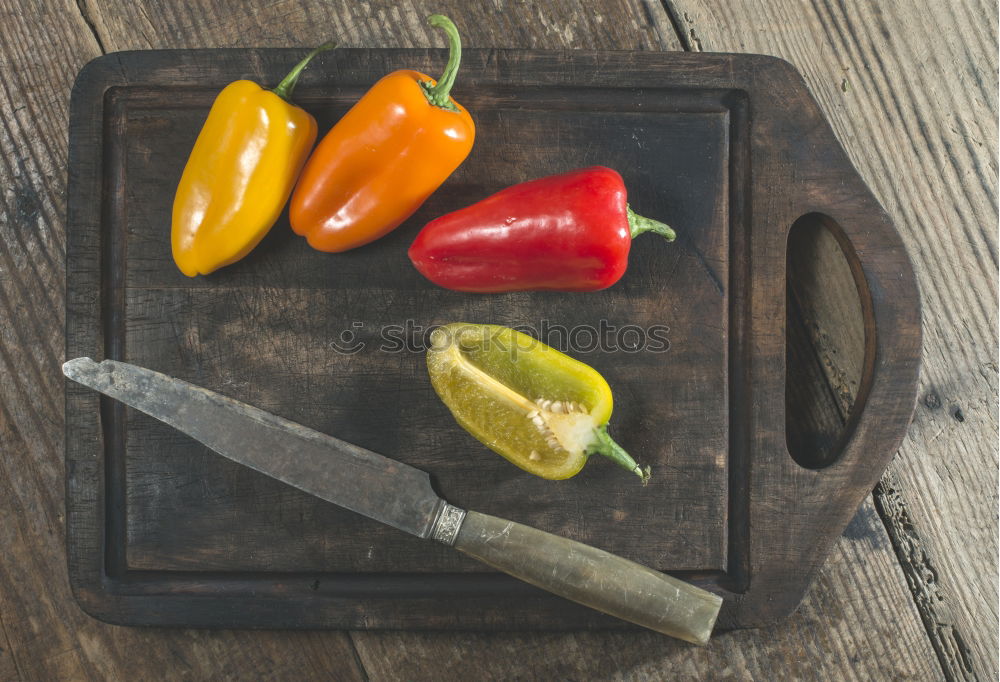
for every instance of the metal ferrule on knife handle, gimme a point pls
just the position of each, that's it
(448, 523)
(583, 574)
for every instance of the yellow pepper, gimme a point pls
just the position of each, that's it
(240, 173)
(538, 408)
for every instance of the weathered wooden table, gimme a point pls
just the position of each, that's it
(910, 590)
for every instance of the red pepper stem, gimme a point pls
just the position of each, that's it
(605, 445)
(439, 95)
(638, 224)
(285, 87)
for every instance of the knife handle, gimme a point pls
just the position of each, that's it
(591, 577)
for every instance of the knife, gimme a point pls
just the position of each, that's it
(401, 496)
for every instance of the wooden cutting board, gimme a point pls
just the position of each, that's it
(729, 149)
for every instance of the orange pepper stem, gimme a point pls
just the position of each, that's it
(439, 95)
(285, 87)
(638, 224)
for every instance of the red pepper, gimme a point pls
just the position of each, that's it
(567, 232)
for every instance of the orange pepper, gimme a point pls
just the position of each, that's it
(382, 160)
(240, 172)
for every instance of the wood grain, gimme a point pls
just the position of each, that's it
(47, 636)
(919, 124)
(561, 24)
(33, 119)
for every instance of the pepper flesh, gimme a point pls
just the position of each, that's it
(240, 173)
(382, 160)
(538, 408)
(566, 232)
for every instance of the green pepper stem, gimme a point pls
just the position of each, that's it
(285, 87)
(439, 95)
(638, 224)
(605, 445)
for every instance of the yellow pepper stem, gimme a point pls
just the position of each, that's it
(285, 87)
(605, 445)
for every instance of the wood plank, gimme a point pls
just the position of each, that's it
(8, 665)
(559, 24)
(41, 142)
(33, 116)
(920, 125)
(45, 634)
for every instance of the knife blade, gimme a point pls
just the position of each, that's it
(401, 496)
(360, 480)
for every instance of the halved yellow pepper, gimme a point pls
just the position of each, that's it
(241, 171)
(538, 408)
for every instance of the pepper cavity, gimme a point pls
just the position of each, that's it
(566, 425)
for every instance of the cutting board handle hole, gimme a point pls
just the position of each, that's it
(824, 342)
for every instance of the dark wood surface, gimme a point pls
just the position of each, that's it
(160, 531)
(909, 590)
